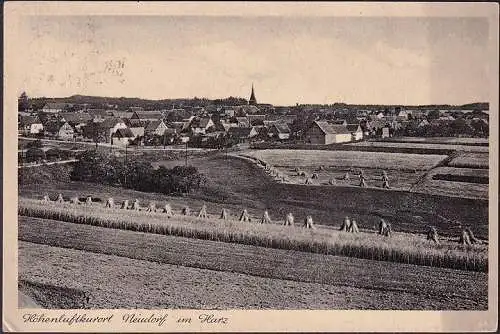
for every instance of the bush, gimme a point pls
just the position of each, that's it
(139, 175)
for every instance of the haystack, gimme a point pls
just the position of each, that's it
(385, 185)
(354, 226)
(110, 203)
(203, 212)
(60, 199)
(384, 228)
(135, 205)
(168, 210)
(289, 219)
(314, 176)
(151, 207)
(88, 201)
(384, 176)
(346, 224)
(265, 218)
(308, 222)
(433, 235)
(125, 204)
(472, 238)
(244, 216)
(224, 214)
(74, 200)
(464, 238)
(46, 198)
(308, 181)
(347, 177)
(332, 181)
(362, 180)
(186, 211)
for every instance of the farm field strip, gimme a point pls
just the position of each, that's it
(440, 140)
(470, 160)
(401, 247)
(256, 261)
(312, 158)
(155, 285)
(416, 145)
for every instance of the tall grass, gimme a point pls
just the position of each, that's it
(401, 247)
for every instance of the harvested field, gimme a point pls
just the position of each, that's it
(459, 182)
(441, 140)
(401, 247)
(424, 287)
(418, 145)
(470, 160)
(349, 159)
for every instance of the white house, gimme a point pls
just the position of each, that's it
(322, 132)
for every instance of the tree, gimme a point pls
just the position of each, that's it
(23, 102)
(433, 114)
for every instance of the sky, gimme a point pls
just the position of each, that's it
(362, 60)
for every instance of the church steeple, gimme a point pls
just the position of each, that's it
(252, 99)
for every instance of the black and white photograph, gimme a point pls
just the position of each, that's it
(263, 162)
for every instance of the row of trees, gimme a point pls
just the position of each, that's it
(101, 168)
(458, 127)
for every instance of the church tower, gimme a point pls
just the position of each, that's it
(252, 100)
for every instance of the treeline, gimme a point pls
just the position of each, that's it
(100, 168)
(123, 103)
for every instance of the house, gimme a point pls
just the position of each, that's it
(242, 133)
(356, 131)
(146, 116)
(177, 115)
(324, 133)
(76, 119)
(134, 109)
(155, 128)
(55, 107)
(256, 119)
(122, 137)
(29, 125)
(280, 131)
(200, 125)
(137, 132)
(110, 125)
(59, 130)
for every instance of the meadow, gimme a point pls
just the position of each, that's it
(401, 247)
(392, 286)
(381, 160)
(441, 140)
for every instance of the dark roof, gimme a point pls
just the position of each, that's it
(76, 117)
(328, 128)
(148, 114)
(352, 127)
(281, 128)
(240, 132)
(123, 133)
(28, 120)
(122, 114)
(152, 125)
(200, 122)
(110, 122)
(55, 105)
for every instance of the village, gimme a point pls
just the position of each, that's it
(215, 125)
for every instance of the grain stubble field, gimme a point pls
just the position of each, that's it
(275, 278)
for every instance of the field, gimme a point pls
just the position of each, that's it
(422, 145)
(401, 247)
(441, 140)
(221, 275)
(470, 160)
(346, 159)
(474, 182)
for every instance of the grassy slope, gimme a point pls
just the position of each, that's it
(236, 184)
(393, 286)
